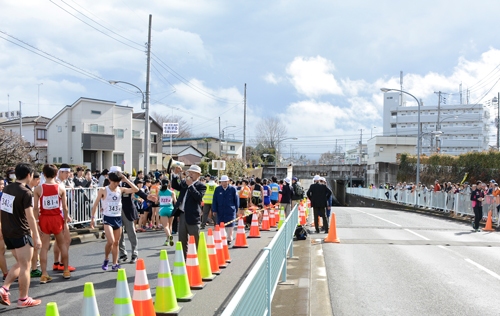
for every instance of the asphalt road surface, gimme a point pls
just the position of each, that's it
(402, 263)
(88, 258)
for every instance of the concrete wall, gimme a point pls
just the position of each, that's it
(382, 172)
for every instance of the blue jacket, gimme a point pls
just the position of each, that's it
(225, 204)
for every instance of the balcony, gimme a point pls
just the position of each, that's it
(91, 141)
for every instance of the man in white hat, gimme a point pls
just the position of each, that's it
(319, 194)
(225, 204)
(189, 203)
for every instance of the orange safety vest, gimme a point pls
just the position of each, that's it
(245, 193)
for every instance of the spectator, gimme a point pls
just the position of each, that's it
(225, 205)
(437, 187)
(319, 195)
(286, 196)
(477, 198)
(102, 177)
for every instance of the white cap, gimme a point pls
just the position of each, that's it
(195, 168)
(287, 180)
(115, 169)
(316, 178)
(223, 178)
(322, 179)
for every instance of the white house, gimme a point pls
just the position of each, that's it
(34, 131)
(230, 147)
(99, 134)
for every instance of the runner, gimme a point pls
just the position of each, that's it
(35, 261)
(111, 197)
(244, 195)
(146, 206)
(49, 198)
(267, 193)
(167, 201)
(275, 190)
(155, 216)
(3, 262)
(18, 223)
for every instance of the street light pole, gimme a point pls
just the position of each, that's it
(277, 145)
(224, 137)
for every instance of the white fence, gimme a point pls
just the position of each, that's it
(80, 202)
(458, 203)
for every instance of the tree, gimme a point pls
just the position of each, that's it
(184, 128)
(270, 131)
(13, 150)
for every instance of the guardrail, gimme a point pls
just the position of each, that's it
(255, 295)
(458, 203)
(80, 202)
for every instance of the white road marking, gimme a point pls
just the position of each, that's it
(493, 274)
(380, 218)
(416, 234)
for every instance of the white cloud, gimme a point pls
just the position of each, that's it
(271, 78)
(312, 76)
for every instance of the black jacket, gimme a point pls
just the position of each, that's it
(296, 196)
(286, 194)
(319, 195)
(128, 205)
(195, 193)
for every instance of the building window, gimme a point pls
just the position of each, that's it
(136, 134)
(60, 159)
(393, 125)
(59, 129)
(204, 145)
(119, 133)
(117, 159)
(389, 98)
(73, 128)
(152, 160)
(94, 128)
(394, 114)
(233, 148)
(95, 112)
(41, 134)
(153, 137)
(54, 160)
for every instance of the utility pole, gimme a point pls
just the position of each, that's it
(245, 126)
(20, 121)
(360, 146)
(147, 137)
(498, 121)
(220, 144)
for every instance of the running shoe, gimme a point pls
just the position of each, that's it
(28, 302)
(66, 274)
(171, 240)
(70, 268)
(45, 279)
(133, 260)
(36, 273)
(4, 296)
(166, 242)
(474, 225)
(105, 264)
(55, 267)
(122, 259)
(116, 267)
(38, 263)
(103, 235)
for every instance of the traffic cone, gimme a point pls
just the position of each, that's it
(180, 277)
(141, 298)
(193, 267)
(241, 239)
(254, 229)
(282, 218)
(205, 267)
(320, 221)
(302, 215)
(272, 218)
(165, 301)
(332, 233)
(123, 302)
(52, 310)
(89, 307)
(218, 247)
(265, 222)
(224, 242)
(212, 253)
(488, 227)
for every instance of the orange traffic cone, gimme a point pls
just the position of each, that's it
(224, 242)
(254, 229)
(218, 247)
(320, 221)
(212, 253)
(265, 221)
(141, 299)
(488, 227)
(332, 233)
(193, 267)
(241, 239)
(302, 215)
(272, 218)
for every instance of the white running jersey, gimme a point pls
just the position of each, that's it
(112, 204)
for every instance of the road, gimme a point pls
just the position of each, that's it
(402, 263)
(88, 258)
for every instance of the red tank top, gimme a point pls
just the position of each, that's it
(50, 202)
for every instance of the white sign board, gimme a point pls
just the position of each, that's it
(218, 165)
(170, 128)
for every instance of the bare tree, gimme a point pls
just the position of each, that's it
(13, 150)
(184, 127)
(269, 132)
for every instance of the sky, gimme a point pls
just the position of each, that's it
(316, 65)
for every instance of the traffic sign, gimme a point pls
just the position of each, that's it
(218, 165)
(170, 128)
(123, 162)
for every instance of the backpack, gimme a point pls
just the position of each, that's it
(298, 190)
(300, 233)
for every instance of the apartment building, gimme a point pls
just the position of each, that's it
(101, 134)
(464, 127)
(230, 147)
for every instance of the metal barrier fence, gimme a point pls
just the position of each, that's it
(458, 203)
(255, 295)
(80, 202)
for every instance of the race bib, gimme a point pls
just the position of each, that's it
(275, 189)
(265, 192)
(7, 202)
(114, 208)
(256, 193)
(165, 200)
(50, 202)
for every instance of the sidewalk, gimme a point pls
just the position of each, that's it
(306, 290)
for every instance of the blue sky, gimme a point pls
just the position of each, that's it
(318, 65)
